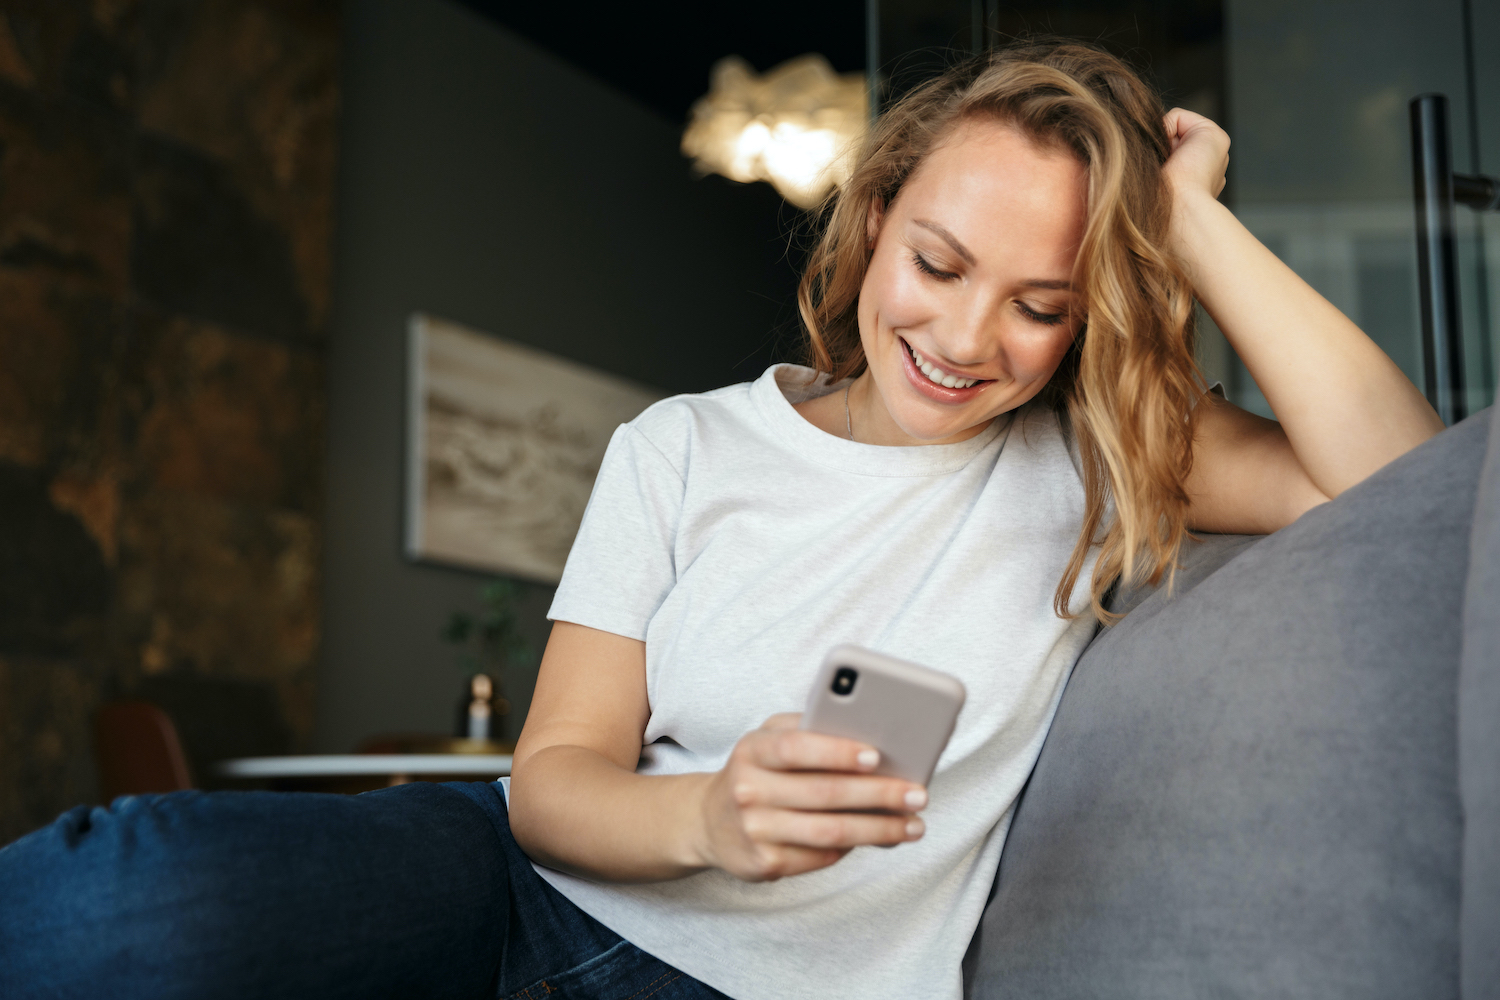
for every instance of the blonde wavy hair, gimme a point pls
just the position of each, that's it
(1127, 386)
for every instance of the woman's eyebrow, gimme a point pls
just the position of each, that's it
(948, 238)
(968, 257)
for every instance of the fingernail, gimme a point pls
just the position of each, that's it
(916, 798)
(914, 828)
(869, 758)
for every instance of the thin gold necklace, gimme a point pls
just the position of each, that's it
(848, 423)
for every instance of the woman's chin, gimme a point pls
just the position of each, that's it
(928, 431)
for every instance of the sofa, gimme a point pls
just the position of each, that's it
(1282, 777)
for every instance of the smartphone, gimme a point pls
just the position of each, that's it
(905, 711)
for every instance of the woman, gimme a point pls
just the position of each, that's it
(1002, 419)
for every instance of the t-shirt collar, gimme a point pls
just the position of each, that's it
(782, 385)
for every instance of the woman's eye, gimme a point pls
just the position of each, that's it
(1047, 319)
(926, 267)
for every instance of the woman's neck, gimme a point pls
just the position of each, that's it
(859, 413)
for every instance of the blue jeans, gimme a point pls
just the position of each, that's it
(408, 892)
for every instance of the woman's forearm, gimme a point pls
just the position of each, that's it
(574, 810)
(1345, 407)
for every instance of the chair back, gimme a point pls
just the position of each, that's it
(137, 750)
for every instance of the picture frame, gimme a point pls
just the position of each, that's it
(503, 444)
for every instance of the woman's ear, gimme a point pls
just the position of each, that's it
(873, 218)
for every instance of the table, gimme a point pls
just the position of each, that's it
(362, 771)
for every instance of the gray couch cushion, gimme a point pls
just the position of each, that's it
(1199, 559)
(1479, 739)
(1251, 789)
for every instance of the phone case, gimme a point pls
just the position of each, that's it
(905, 711)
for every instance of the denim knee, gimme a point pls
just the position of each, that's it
(243, 893)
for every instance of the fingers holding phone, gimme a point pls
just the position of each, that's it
(791, 801)
(803, 790)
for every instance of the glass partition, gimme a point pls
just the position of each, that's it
(1317, 102)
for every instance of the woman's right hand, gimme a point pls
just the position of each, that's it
(790, 801)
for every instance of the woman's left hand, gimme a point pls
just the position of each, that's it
(1200, 153)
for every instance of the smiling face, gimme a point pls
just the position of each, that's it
(965, 311)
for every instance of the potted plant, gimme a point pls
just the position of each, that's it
(486, 643)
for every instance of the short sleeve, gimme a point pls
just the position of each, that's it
(622, 563)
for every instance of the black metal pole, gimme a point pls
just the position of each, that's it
(1437, 270)
(1480, 193)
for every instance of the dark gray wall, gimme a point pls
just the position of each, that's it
(486, 182)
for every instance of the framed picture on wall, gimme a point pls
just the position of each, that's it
(503, 444)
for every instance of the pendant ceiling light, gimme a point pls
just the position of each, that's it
(796, 126)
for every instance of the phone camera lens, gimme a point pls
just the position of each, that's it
(843, 680)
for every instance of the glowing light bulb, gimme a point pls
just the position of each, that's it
(797, 126)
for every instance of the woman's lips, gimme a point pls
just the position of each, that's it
(929, 388)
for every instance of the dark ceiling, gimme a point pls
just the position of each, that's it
(660, 52)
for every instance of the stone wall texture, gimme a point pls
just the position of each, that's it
(166, 200)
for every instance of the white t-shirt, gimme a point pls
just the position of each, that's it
(741, 542)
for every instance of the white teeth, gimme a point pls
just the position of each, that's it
(936, 375)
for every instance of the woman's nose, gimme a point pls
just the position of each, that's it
(971, 333)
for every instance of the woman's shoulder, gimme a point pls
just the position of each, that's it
(1042, 436)
(677, 424)
(690, 409)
